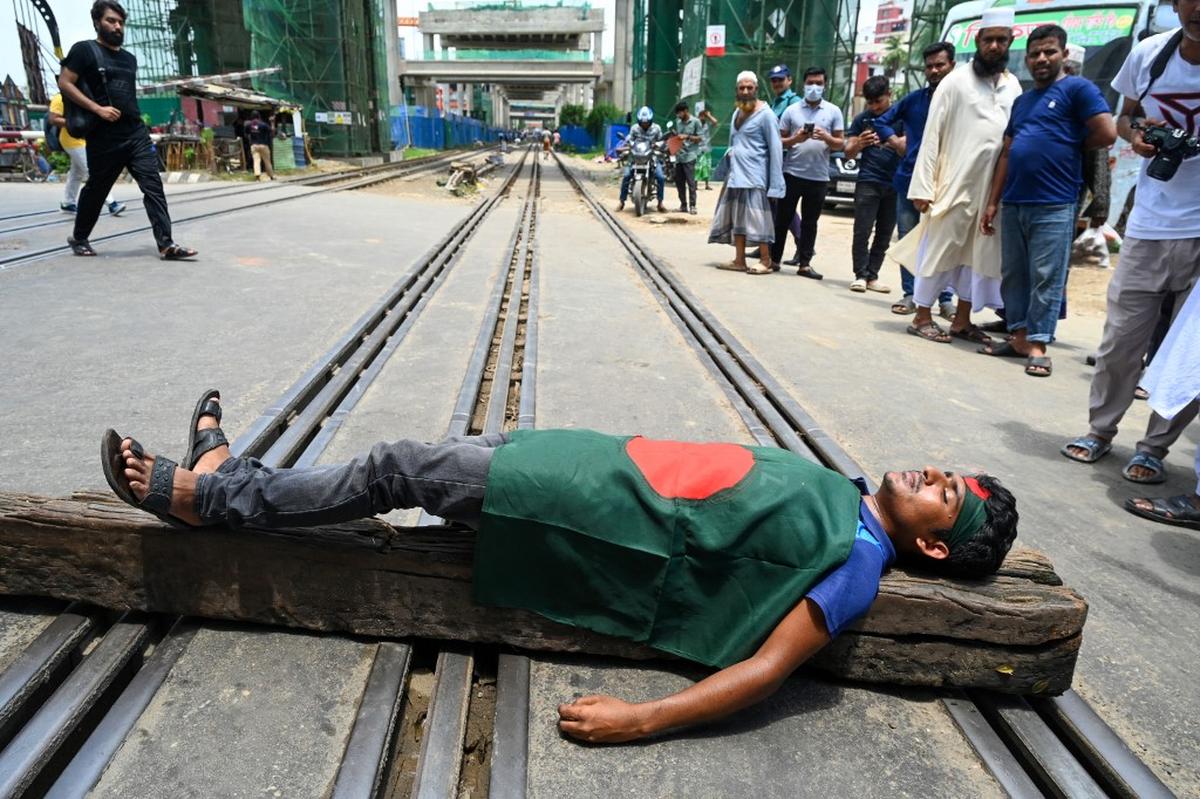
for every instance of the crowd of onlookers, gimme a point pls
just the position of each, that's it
(988, 186)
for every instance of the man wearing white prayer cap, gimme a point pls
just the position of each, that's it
(950, 186)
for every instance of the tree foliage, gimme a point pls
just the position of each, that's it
(572, 114)
(601, 114)
(895, 55)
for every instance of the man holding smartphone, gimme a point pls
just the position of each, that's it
(874, 194)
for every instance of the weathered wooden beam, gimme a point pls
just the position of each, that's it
(1017, 632)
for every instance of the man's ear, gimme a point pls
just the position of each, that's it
(932, 547)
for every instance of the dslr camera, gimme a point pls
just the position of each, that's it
(1173, 145)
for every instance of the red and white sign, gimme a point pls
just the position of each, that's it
(714, 40)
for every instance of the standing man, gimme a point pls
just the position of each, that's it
(258, 136)
(120, 139)
(811, 130)
(874, 194)
(950, 185)
(910, 115)
(781, 87)
(76, 150)
(1039, 176)
(1160, 256)
(646, 129)
(691, 133)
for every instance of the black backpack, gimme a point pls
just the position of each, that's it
(51, 131)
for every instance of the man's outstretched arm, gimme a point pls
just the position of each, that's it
(606, 719)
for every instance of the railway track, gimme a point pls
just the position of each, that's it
(440, 720)
(335, 181)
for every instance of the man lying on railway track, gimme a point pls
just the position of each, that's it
(748, 559)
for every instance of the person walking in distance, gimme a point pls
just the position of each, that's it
(1039, 176)
(76, 150)
(258, 136)
(690, 131)
(119, 140)
(874, 194)
(1160, 257)
(810, 131)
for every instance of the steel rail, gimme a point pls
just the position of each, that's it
(1017, 741)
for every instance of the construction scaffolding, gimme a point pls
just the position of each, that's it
(331, 54)
(928, 18)
(668, 34)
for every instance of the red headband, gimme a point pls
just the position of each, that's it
(975, 488)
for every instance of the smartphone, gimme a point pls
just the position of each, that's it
(810, 127)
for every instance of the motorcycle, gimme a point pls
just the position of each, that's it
(643, 157)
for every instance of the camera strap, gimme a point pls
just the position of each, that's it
(1159, 65)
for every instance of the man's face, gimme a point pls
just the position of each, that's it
(747, 90)
(642, 123)
(880, 104)
(920, 503)
(814, 80)
(1044, 57)
(111, 28)
(938, 66)
(991, 48)
(1189, 18)
(781, 84)
(683, 115)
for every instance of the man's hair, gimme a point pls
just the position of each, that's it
(100, 6)
(1046, 32)
(680, 106)
(811, 71)
(876, 86)
(938, 47)
(983, 554)
(255, 115)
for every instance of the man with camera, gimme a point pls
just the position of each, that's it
(117, 138)
(1160, 118)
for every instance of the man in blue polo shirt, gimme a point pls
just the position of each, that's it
(910, 115)
(1039, 175)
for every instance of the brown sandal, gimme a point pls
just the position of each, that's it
(973, 334)
(930, 332)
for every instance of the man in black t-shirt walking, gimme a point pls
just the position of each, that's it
(120, 140)
(258, 136)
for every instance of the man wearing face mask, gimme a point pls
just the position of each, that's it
(950, 185)
(810, 131)
(119, 140)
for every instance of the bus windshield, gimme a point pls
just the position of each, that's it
(1103, 30)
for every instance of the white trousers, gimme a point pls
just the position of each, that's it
(982, 292)
(77, 175)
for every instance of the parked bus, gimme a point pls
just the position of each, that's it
(1106, 30)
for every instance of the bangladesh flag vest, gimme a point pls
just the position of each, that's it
(698, 550)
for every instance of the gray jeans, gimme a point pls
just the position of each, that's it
(1147, 272)
(446, 479)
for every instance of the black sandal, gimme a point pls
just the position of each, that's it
(162, 478)
(203, 441)
(1004, 349)
(174, 252)
(1177, 510)
(81, 247)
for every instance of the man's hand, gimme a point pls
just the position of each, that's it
(1098, 221)
(108, 113)
(1139, 144)
(986, 226)
(921, 205)
(820, 134)
(601, 719)
(868, 138)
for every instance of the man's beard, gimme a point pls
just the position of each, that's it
(748, 105)
(112, 38)
(986, 68)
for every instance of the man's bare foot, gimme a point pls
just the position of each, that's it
(211, 460)
(183, 495)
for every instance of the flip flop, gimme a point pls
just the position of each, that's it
(930, 332)
(1038, 366)
(81, 247)
(1004, 350)
(759, 270)
(1146, 461)
(904, 307)
(174, 252)
(202, 441)
(162, 478)
(1095, 448)
(1177, 510)
(973, 334)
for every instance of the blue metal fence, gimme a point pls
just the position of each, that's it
(577, 137)
(421, 126)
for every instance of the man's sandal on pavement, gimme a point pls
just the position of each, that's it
(1096, 448)
(759, 269)
(81, 247)
(930, 332)
(904, 307)
(810, 273)
(1158, 472)
(1038, 366)
(175, 252)
(1178, 510)
(732, 266)
(858, 285)
(162, 478)
(1004, 349)
(200, 442)
(947, 310)
(973, 334)
(882, 288)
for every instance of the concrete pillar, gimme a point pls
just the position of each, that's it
(623, 54)
(391, 39)
(429, 52)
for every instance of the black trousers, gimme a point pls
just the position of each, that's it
(809, 195)
(685, 183)
(106, 159)
(874, 207)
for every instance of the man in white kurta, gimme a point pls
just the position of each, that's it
(1173, 381)
(950, 184)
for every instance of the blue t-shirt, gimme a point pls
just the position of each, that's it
(848, 591)
(913, 112)
(1048, 127)
(876, 164)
